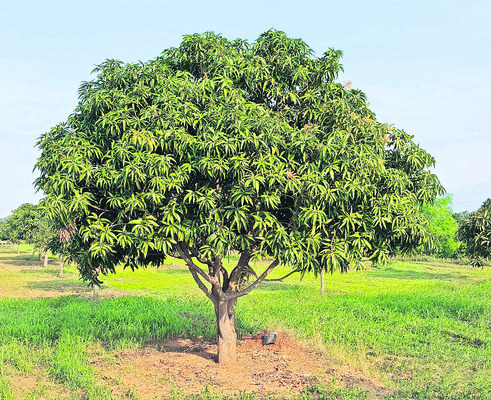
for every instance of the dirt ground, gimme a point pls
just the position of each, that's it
(285, 369)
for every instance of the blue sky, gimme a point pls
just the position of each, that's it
(424, 65)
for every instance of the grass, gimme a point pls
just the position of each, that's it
(423, 327)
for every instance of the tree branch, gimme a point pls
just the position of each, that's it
(249, 288)
(284, 277)
(192, 266)
(201, 285)
(201, 259)
(245, 256)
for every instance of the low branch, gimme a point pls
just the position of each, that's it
(284, 277)
(243, 261)
(201, 285)
(252, 286)
(192, 266)
(201, 259)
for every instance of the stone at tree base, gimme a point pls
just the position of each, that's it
(269, 338)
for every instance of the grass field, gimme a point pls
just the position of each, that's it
(424, 328)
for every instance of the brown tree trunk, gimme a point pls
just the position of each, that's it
(322, 281)
(40, 253)
(18, 248)
(95, 292)
(60, 273)
(95, 288)
(226, 335)
(46, 259)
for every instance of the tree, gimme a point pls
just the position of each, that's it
(461, 216)
(219, 146)
(475, 232)
(21, 224)
(4, 235)
(30, 223)
(442, 227)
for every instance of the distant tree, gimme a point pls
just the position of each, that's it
(30, 223)
(442, 227)
(461, 216)
(475, 232)
(4, 235)
(221, 146)
(21, 224)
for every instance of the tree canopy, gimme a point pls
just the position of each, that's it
(442, 227)
(219, 146)
(29, 223)
(475, 232)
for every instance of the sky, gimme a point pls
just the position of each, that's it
(425, 67)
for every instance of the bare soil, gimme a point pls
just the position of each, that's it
(283, 369)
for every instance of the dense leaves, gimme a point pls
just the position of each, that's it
(442, 226)
(475, 232)
(219, 146)
(28, 223)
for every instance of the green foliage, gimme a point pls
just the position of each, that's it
(462, 216)
(28, 223)
(475, 232)
(4, 230)
(219, 146)
(442, 226)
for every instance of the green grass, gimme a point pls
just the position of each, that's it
(424, 327)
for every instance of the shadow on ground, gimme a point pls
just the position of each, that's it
(61, 286)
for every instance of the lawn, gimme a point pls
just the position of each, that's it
(423, 328)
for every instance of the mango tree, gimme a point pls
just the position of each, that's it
(218, 146)
(475, 233)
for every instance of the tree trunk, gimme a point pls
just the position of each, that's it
(322, 281)
(40, 253)
(226, 335)
(95, 288)
(95, 292)
(18, 248)
(46, 259)
(60, 273)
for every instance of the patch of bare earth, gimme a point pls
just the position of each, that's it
(37, 386)
(284, 369)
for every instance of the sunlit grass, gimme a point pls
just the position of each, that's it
(423, 327)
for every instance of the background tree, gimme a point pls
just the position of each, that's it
(475, 232)
(21, 224)
(30, 223)
(442, 226)
(220, 146)
(461, 216)
(4, 230)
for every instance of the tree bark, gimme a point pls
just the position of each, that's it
(322, 281)
(40, 253)
(18, 248)
(60, 273)
(46, 259)
(226, 335)
(95, 292)
(95, 287)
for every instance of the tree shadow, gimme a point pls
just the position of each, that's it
(61, 286)
(390, 273)
(22, 262)
(274, 286)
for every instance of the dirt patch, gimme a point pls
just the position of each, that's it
(37, 386)
(284, 369)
